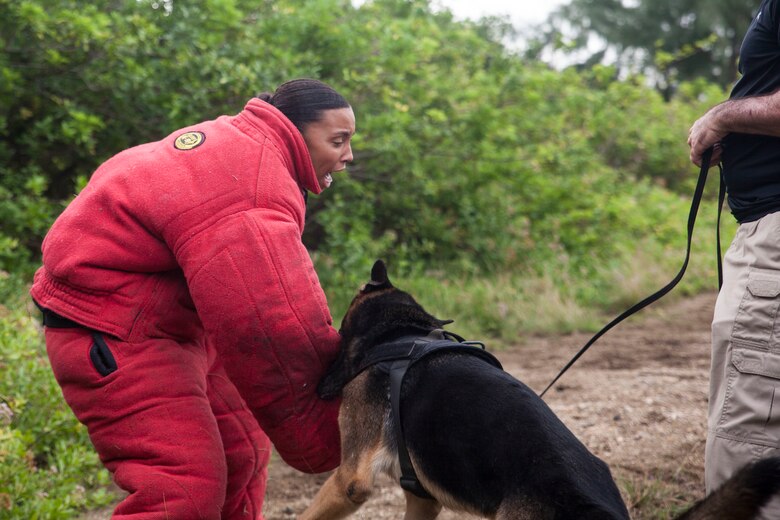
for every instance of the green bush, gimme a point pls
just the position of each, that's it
(48, 468)
(502, 167)
(555, 296)
(25, 216)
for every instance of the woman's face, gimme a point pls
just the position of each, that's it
(328, 141)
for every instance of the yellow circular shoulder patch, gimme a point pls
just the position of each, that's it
(189, 140)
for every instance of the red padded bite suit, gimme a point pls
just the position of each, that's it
(182, 259)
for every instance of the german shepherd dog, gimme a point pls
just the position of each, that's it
(479, 440)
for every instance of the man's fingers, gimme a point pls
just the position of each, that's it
(697, 155)
(716, 152)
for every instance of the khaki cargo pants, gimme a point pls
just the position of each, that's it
(744, 403)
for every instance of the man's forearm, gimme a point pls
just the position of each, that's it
(750, 115)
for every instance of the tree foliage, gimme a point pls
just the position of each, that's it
(466, 153)
(671, 40)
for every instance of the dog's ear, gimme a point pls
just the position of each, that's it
(379, 272)
(331, 386)
(332, 383)
(379, 278)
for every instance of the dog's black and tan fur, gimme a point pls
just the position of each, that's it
(480, 441)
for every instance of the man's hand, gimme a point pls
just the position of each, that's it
(705, 133)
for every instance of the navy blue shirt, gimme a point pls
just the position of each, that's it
(751, 163)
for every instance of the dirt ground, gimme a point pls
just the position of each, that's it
(637, 399)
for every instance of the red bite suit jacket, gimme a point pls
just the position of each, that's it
(201, 233)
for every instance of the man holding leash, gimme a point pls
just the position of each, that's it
(744, 400)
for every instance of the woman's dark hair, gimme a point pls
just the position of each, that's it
(304, 100)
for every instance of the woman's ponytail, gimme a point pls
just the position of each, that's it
(304, 100)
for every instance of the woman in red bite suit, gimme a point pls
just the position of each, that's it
(183, 317)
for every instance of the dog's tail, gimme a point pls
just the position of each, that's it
(740, 497)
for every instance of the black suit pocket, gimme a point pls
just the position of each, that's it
(101, 355)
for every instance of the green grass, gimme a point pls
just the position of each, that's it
(660, 495)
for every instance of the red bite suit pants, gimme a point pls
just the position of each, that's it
(167, 422)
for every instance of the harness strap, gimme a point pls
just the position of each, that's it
(697, 196)
(409, 480)
(395, 358)
(415, 348)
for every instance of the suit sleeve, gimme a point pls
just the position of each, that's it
(255, 289)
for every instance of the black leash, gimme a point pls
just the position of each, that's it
(697, 196)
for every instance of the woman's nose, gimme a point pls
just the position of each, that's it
(347, 157)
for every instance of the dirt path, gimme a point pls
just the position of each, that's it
(637, 399)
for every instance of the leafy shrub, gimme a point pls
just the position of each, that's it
(48, 468)
(473, 158)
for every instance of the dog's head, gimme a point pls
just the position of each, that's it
(379, 312)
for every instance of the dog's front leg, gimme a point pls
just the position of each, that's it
(420, 508)
(343, 493)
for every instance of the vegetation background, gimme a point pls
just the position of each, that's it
(511, 195)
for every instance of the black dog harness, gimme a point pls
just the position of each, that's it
(394, 358)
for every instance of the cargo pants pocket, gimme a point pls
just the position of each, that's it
(757, 312)
(751, 411)
(751, 406)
